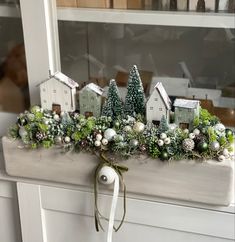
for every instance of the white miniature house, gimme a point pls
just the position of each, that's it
(185, 112)
(158, 104)
(90, 100)
(58, 90)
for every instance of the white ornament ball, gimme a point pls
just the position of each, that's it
(99, 137)
(219, 127)
(221, 158)
(196, 131)
(109, 134)
(134, 143)
(138, 127)
(225, 152)
(186, 131)
(163, 136)
(107, 175)
(167, 141)
(67, 139)
(56, 117)
(97, 143)
(127, 128)
(104, 141)
(214, 146)
(22, 132)
(191, 135)
(160, 142)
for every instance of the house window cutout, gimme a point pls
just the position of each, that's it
(156, 99)
(54, 91)
(184, 125)
(151, 108)
(65, 92)
(160, 109)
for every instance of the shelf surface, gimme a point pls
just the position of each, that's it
(187, 19)
(9, 11)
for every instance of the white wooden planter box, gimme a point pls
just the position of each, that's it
(209, 182)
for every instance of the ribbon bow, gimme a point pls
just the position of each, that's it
(119, 169)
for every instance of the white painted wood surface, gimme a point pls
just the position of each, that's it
(187, 19)
(184, 180)
(9, 216)
(70, 218)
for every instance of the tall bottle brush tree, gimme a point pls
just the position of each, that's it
(135, 98)
(113, 105)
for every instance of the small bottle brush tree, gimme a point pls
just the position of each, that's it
(113, 104)
(163, 126)
(135, 98)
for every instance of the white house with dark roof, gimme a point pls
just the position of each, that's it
(90, 100)
(58, 90)
(158, 104)
(185, 112)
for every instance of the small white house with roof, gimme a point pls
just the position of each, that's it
(185, 112)
(90, 100)
(158, 104)
(58, 90)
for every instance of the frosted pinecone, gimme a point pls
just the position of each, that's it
(199, 138)
(188, 144)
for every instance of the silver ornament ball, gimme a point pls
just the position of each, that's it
(134, 143)
(109, 134)
(214, 146)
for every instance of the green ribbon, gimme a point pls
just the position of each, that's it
(119, 169)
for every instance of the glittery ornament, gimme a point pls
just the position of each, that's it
(167, 141)
(109, 134)
(214, 146)
(202, 146)
(219, 127)
(99, 137)
(188, 144)
(199, 138)
(134, 143)
(39, 136)
(67, 139)
(138, 127)
(221, 158)
(191, 135)
(118, 138)
(160, 142)
(163, 135)
(104, 141)
(127, 128)
(97, 143)
(196, 131)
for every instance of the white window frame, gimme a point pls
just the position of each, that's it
(40, 30)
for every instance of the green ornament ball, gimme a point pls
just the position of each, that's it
(164, 155)
(202, 146)
(117, 124)
(228, 132)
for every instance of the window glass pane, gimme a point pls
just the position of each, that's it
(14, 95)
(191, 62)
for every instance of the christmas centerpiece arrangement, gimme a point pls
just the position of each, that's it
(137, 126)
(139, 133)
